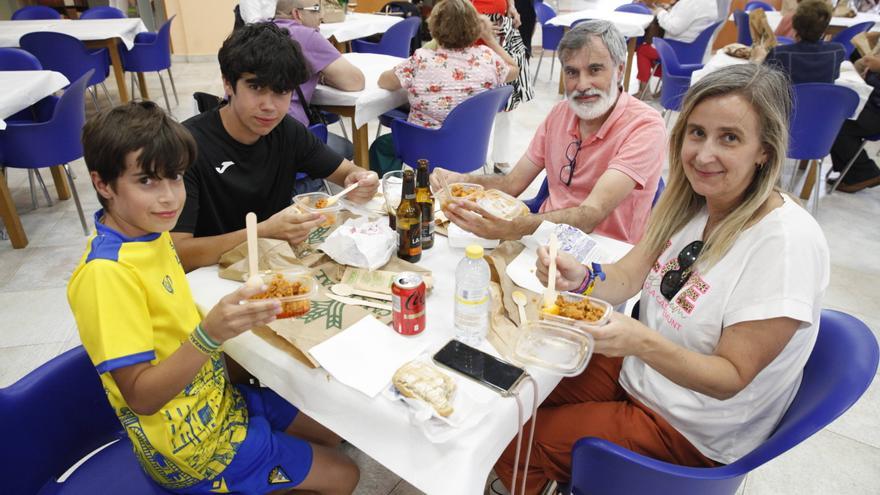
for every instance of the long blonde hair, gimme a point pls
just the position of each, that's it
(768, 91)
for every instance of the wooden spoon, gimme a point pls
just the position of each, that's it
(333, 199)
(254, 279)
(341, 289)
(550, 294)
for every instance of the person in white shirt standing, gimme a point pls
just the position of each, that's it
(731, 272)
(683, 21)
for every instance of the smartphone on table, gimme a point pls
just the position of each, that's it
(479, 366)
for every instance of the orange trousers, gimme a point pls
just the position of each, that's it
(593, 404)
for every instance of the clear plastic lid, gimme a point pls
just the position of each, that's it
(312, 203)
(293, 289)
(556, 348)
(460, 190)
(502, 205)
(578, 310)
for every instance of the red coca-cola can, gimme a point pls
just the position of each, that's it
(408, 303)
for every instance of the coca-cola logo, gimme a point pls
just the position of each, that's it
(414, 301)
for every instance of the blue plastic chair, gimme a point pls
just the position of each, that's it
(840, 368)
(694, 51)
(818, 112)
(152, 54)
(32, 145)
(634, 8)
(833, 186)
(784, 40)
(395, 42)
(535, 203)
(103, 12)
(65, 54)
(462, 142)
(550, 36)
(35, 12)
(41, 442)
(320, 131)
(845, 37)
(676, 77)
(743, 34)
(759, 5)
(18, 59)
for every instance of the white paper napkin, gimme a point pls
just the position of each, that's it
(365, 355)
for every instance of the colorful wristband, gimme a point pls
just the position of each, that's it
(589, 283)
(202, 342)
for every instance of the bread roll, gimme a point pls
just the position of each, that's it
(419, 380)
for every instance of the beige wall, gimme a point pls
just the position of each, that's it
(200, 26)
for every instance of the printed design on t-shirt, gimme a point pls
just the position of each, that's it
(168, 285)
(203, 433)
(685, 301)
(223, 166)
(277, 476)
(219, 486)
(174, 250)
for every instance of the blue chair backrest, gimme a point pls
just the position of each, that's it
(635, 8)
(758, 5)
(550, 35)
(661, 185)
(845, 37)
(462, 142)
(784, 40)
(743, 34)
(840, 368)
(693, 52)
(51, 418)
(62, 53)
(27, 147)
(676, 80)
(398, 39)
(103, 12)
(818, 111)
(150, 54)
(18, 59)
(34, 12)
(320, 131)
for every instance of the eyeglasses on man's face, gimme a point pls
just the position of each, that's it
(674, 280)
(571, 154)
(313, 8)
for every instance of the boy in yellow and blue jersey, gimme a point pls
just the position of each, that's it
(160, 362)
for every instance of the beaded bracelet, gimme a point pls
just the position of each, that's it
(202, 342)
(589, 283)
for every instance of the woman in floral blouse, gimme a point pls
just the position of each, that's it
(438, 80)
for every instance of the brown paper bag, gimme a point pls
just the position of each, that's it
(505, 325)
(762, 35)
(332, 11)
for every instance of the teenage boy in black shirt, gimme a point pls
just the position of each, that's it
(250, 150)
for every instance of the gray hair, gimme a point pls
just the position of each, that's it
(283, 8)
(581, 36)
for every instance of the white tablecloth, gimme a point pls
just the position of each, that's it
(378, 426)
(629, 24)
(773, 19)
(83, 30)
(848, 76)
(372, 101)
(21, 89)
(358, 25)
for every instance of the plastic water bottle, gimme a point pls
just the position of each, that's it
(472, 297)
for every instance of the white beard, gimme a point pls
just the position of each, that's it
(598, 108)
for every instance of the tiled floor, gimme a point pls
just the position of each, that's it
(36, 324)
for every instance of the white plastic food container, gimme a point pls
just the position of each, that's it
(554, 347)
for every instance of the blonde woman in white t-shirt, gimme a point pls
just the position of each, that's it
(731, 273)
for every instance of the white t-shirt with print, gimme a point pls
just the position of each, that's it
(779, 267)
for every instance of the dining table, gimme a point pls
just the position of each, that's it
(94, 33)
(358, 25)
(364, 105)
(19, 90)
(836, 24)
(380, 426)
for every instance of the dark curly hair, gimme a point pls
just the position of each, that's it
(267, 51)
(811, 19)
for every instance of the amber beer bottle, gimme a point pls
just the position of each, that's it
(409, 221)
(425, 200)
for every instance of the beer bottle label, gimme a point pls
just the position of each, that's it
(415, 239)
